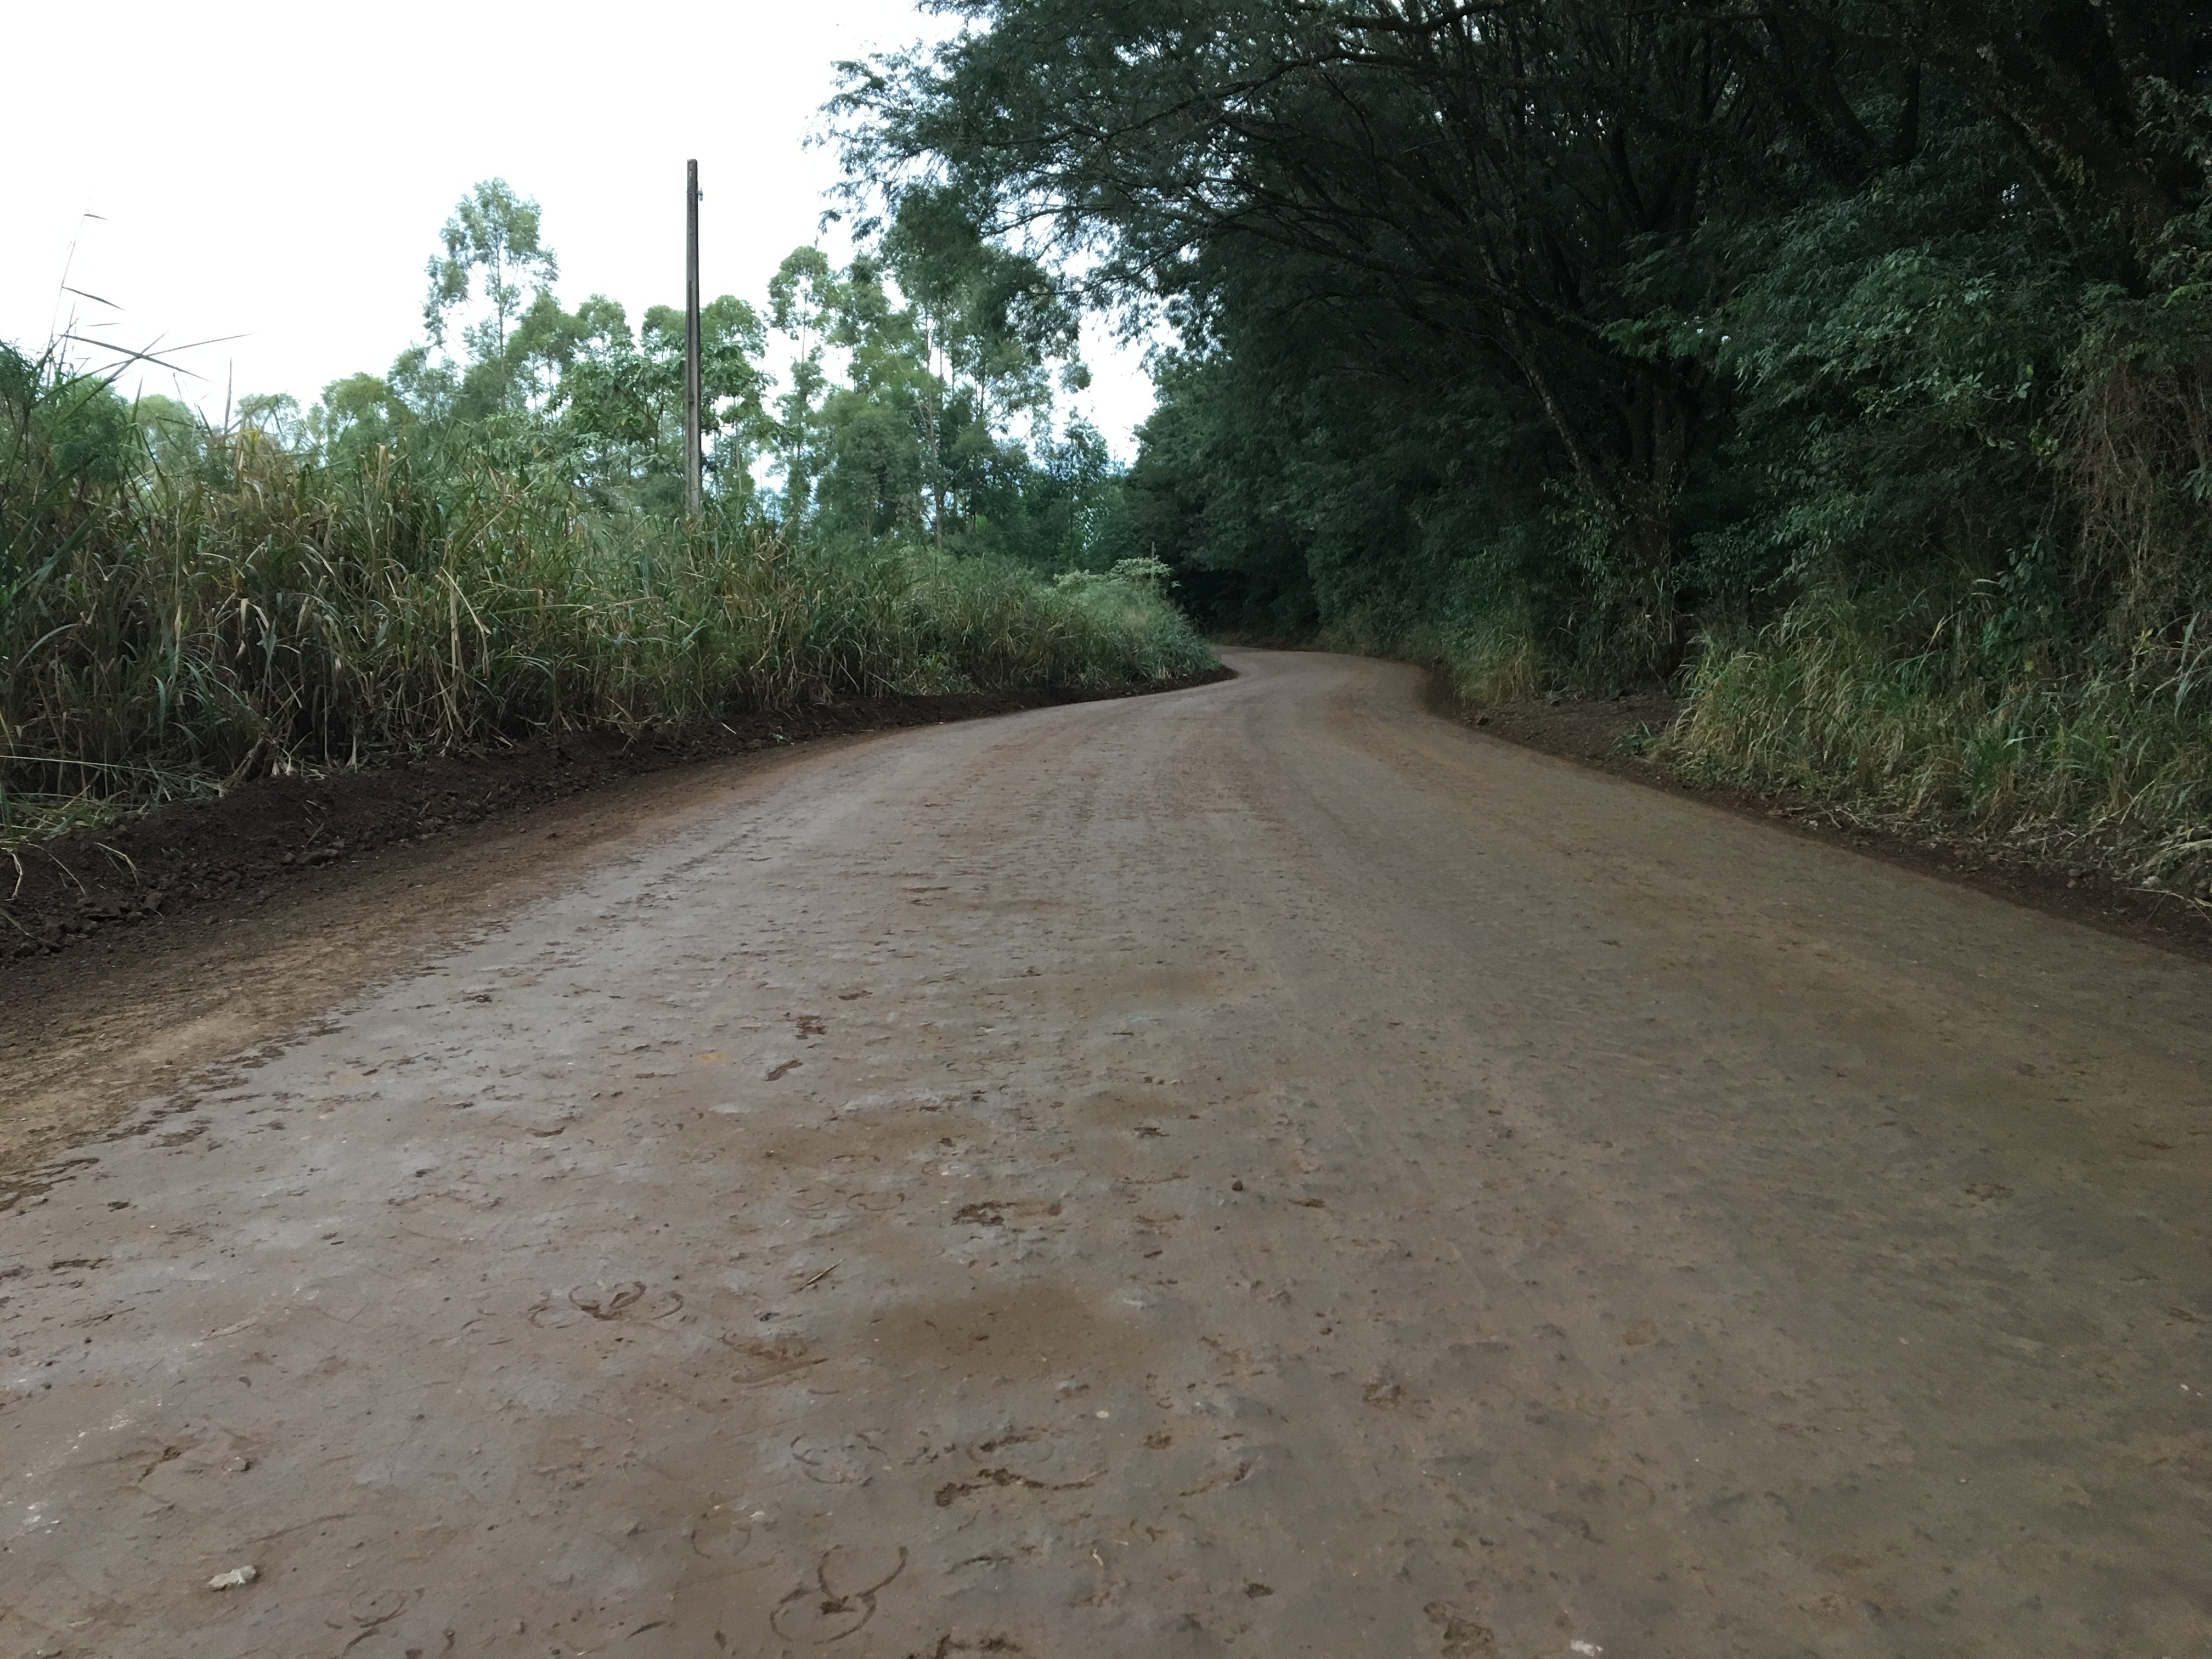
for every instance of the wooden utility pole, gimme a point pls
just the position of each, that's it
(936, 443)
(691, 436)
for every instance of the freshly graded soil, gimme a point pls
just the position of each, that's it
(1263, 1171)
(199, 928)
(256, 842)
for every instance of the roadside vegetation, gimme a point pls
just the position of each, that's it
(488, 541)
(1846, 364)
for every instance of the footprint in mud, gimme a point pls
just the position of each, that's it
(371, 1612)
(849, 1461)
(1221, 1475)
(1002, 1478)
(1127, 1108)
(993, 1212)
(722, 1533)
(1024, 1449)
(764, 1361)
(605, 1302)
(1387, 1393)
(1463, 1637)
(1017, 1456)
(840, 1601)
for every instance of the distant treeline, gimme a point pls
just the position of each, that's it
(917, 404)
(1847, 360)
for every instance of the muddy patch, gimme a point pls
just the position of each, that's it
(1132, 1110)
(1034, 1332)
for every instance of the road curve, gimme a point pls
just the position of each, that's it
(1259, 1170)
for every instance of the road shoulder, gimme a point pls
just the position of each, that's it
(1608, 734)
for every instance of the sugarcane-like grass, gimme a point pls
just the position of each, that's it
(165, 628)
(1893, 706)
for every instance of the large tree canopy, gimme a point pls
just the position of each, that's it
(1620, 308)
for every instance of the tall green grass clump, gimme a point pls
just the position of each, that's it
(1927, 706)
(178, 609)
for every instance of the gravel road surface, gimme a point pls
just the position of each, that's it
(1257, 1170)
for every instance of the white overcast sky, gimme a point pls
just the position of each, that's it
(279, 173)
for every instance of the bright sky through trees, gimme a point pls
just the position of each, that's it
(279, 173)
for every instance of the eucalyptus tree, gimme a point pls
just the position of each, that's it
(492, 247)
(998, 324)
(913, 368)
(857, 417)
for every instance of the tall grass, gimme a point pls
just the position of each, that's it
(1901, 705)
(167, 627)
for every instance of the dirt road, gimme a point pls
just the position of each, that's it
(1261, 1170)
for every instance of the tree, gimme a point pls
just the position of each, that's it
(874, 443)
(618, 399)
(176, 435)
(276, 416)
(1491, 173)
(491, 246)
(911, 367)
(2104, 100)
(1408, 240)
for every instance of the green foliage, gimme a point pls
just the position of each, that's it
(161, 629)
(478, 546)
(614, 401)
(945, 342)
(912, 368)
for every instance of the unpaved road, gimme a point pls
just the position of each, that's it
(1261, 1170)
